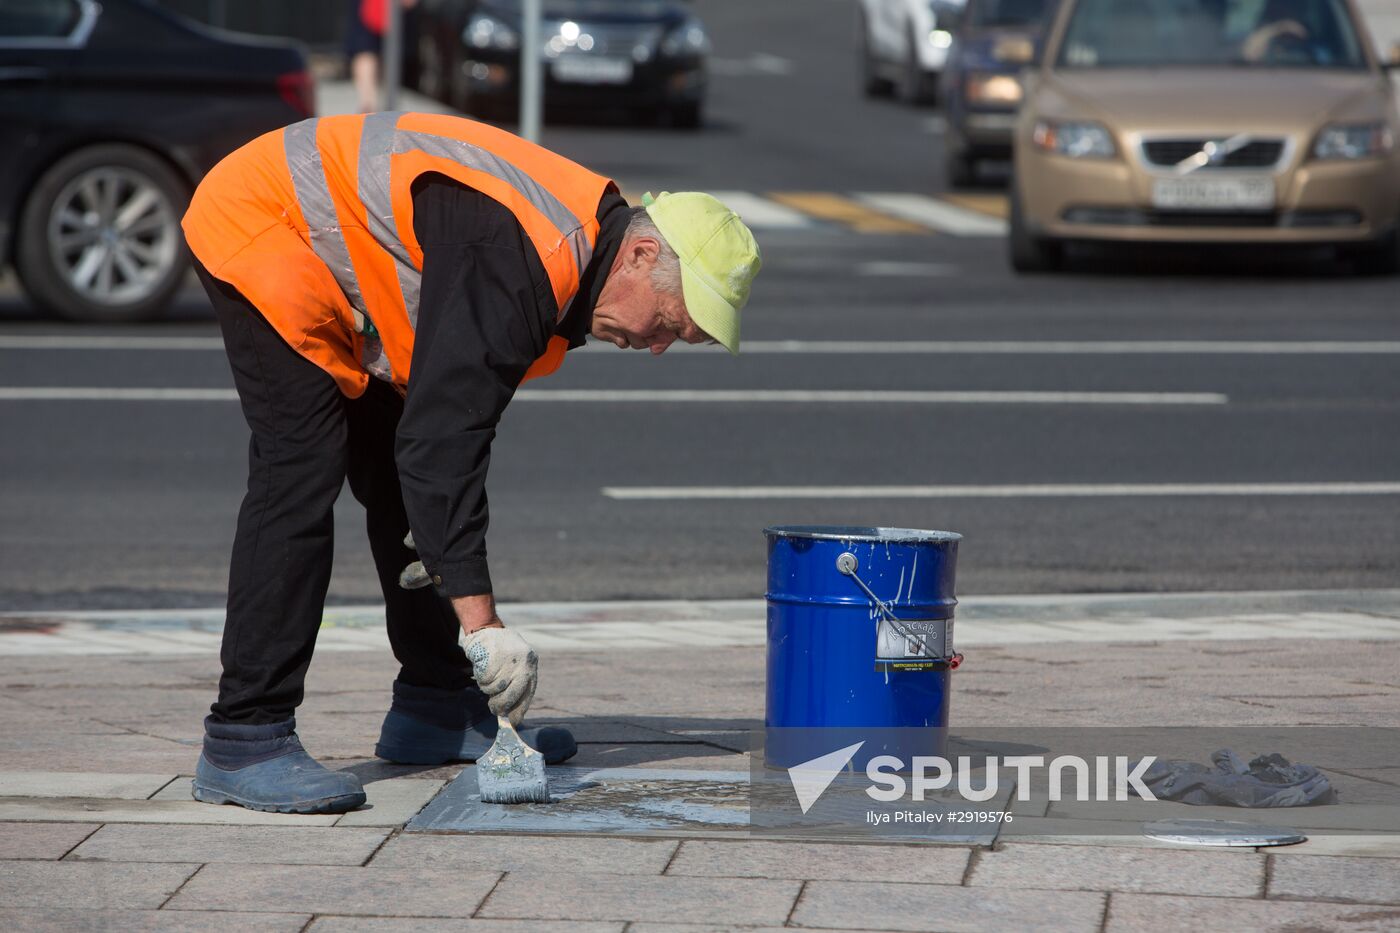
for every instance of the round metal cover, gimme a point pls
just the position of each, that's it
(1221, 833)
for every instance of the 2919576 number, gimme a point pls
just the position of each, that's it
(978, 816)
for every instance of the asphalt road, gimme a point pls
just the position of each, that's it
(128, 503)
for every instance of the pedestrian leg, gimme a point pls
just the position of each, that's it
(283, 546)
(278, 575)
(423, 628)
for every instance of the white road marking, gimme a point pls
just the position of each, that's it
(916, 347)
(863, 396)
(104, 342)
(1076, 347)
(101, 394)
(669, 396)
(765, 63)
(907, 269)
(760, 63)
(762, 213)
(935, 214)
(1033, 491)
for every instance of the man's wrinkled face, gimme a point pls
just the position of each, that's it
(632, 314)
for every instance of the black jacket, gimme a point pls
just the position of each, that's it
(486, 313)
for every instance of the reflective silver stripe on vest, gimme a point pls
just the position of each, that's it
(464, 153)
(380, 140)
(327, 240)
(376, 150)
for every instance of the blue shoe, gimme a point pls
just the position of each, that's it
(432, 726)
(265, 768)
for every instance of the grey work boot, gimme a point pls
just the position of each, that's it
(432, 726)
(265, 768)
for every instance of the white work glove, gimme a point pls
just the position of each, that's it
(415, 576)
(506, 668)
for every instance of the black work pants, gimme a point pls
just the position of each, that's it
(307, 439)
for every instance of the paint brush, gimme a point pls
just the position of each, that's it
(511, 771)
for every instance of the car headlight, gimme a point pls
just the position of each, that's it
(1353, 141)
(486, 32)
(939, 34)
(1078, 140)
(688, 38)
(992, 89)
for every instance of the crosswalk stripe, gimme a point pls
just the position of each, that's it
(935, 214)
(762, 213)
(828, 206)
(993, 205)
(967, 215)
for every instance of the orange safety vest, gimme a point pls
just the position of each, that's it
(313, 224)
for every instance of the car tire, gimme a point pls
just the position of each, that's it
(916, 87)
(686, 116)
(1381, 257)
(871, 83)
(960, 169)
(99, 238)
(1029, 253)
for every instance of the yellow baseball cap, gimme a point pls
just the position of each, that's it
(719, 259)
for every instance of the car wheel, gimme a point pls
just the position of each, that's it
(1381, 257)
(960, 169)
(99, 238)
(686, 116)
(916, 86)
(1030, 253)
(871, 84)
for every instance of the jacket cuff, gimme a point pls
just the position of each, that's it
(469, 577)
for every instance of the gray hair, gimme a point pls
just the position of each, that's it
(666, 276)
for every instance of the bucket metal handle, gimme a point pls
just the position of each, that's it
(847, 563)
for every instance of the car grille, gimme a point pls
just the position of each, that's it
(1257, 153)
(1134, 217)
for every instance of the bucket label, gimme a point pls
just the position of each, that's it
(928, 649)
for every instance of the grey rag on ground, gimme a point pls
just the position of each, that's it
(1266, 781)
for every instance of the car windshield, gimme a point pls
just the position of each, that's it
(1267, 33)
(995, 13)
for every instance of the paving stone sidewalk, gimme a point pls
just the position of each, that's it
(97, 831)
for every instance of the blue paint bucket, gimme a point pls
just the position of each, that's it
(860, 641)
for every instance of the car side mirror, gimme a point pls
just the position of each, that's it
(1014, 51)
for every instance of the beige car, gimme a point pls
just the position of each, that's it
(1207, 121)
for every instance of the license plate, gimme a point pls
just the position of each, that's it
(589, 70)
(1220, 194)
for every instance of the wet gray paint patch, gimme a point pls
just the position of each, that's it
(656, 802)
(626, 801)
